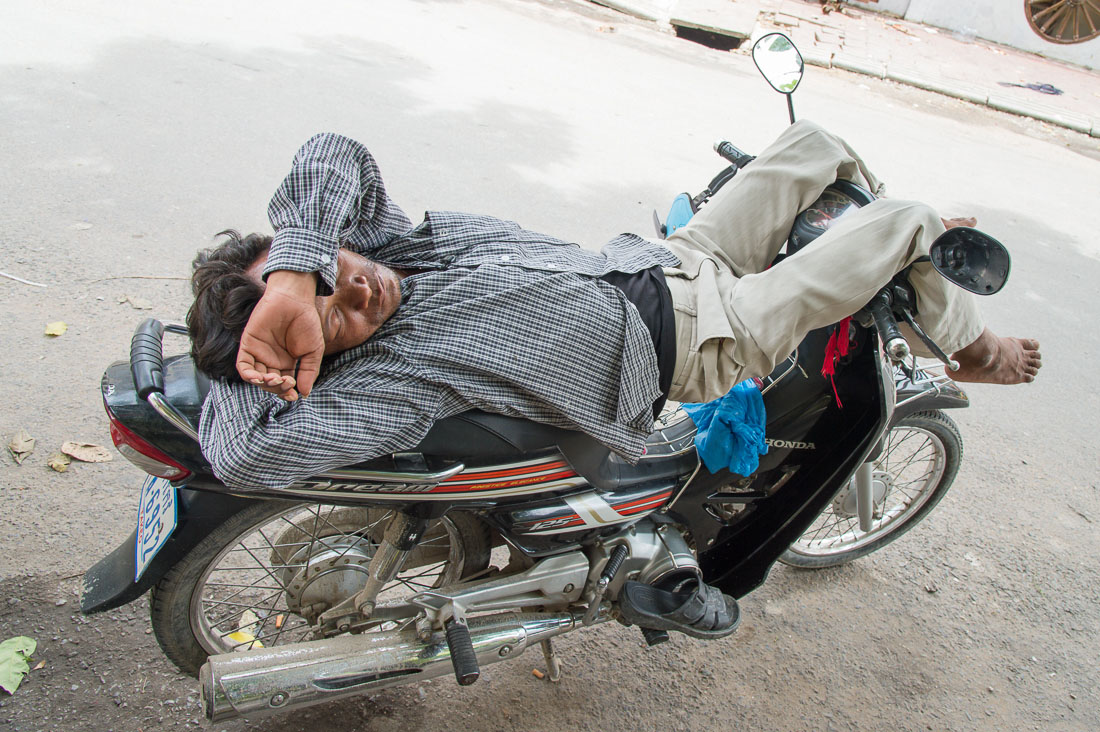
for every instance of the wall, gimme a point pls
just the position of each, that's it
(1001, 21)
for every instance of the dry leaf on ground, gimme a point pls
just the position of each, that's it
(59, 461)
(20, 446)
(137, 303)
(86, 452)
(56, 328)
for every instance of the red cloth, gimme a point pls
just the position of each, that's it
(835, 349)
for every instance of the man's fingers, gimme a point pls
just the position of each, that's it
(253, 371)
(275, 379)
(308, 369)
(281, 385)
(247, 368)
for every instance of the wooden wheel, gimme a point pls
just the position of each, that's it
(1064, 21)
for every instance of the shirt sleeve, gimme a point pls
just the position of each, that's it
(255, 440)
(332, 197)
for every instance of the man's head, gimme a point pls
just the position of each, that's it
(224, 298)
(227, 283)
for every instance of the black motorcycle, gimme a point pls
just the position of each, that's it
(494, 533)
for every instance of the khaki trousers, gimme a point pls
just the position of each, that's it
(736, 319)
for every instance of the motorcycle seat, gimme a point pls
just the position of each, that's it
(471, 437)
(669, 453)
(477, 435)
(480, 436)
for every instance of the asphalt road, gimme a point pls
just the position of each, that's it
(135, 131)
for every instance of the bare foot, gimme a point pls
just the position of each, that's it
(961, 221)
(994, 359)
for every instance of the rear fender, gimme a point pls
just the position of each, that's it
(110, 583)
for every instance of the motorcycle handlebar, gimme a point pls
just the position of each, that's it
(731, 153)
(893, 342)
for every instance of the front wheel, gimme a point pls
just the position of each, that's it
(263, 577)
(917, 465)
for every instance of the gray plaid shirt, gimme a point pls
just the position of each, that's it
(499, 319)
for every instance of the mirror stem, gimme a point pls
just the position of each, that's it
(790, 107)
(949, 362)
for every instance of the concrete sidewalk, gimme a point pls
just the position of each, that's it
(921, 56)
(938, 60)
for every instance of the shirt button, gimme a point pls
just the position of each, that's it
(504, 257)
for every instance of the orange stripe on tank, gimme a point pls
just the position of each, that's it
(534, 480)
(648, 499)
(469, 475)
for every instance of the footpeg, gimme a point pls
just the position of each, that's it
(463, 657)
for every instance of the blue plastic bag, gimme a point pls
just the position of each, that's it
(731, 429)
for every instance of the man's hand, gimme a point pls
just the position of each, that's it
(284, 328)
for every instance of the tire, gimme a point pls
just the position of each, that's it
(243, 586)
(903, 494)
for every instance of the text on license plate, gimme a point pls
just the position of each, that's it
(156, 521)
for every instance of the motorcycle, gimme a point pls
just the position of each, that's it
(496, 534)
(922, 450)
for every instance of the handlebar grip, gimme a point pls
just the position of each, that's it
(735, 156)
(893, 341)
(147, 358)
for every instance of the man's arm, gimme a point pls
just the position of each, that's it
(254, 440)
(332, 196)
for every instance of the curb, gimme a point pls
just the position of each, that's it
(958, 90)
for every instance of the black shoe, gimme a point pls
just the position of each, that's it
(698, 609)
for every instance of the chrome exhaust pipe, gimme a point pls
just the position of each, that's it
(267, 680)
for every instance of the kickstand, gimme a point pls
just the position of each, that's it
(553, 665)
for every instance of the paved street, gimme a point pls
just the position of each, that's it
(135, 131)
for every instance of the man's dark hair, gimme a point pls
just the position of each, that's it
(224, 299)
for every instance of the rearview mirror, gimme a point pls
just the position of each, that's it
(779, 61)
(973, 260)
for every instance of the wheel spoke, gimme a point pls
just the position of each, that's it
(209, 601)
(437, 566)
(313, 556)
(907, 473)
(268, 571)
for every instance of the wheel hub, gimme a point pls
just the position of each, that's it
(845, 502)
(334, 571)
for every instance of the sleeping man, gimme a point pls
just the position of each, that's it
(460, 312)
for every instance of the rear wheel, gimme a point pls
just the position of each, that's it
(263, 577)
(916, 468)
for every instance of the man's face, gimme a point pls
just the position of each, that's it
(365, 296)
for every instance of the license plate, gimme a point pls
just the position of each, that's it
(156, 521)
